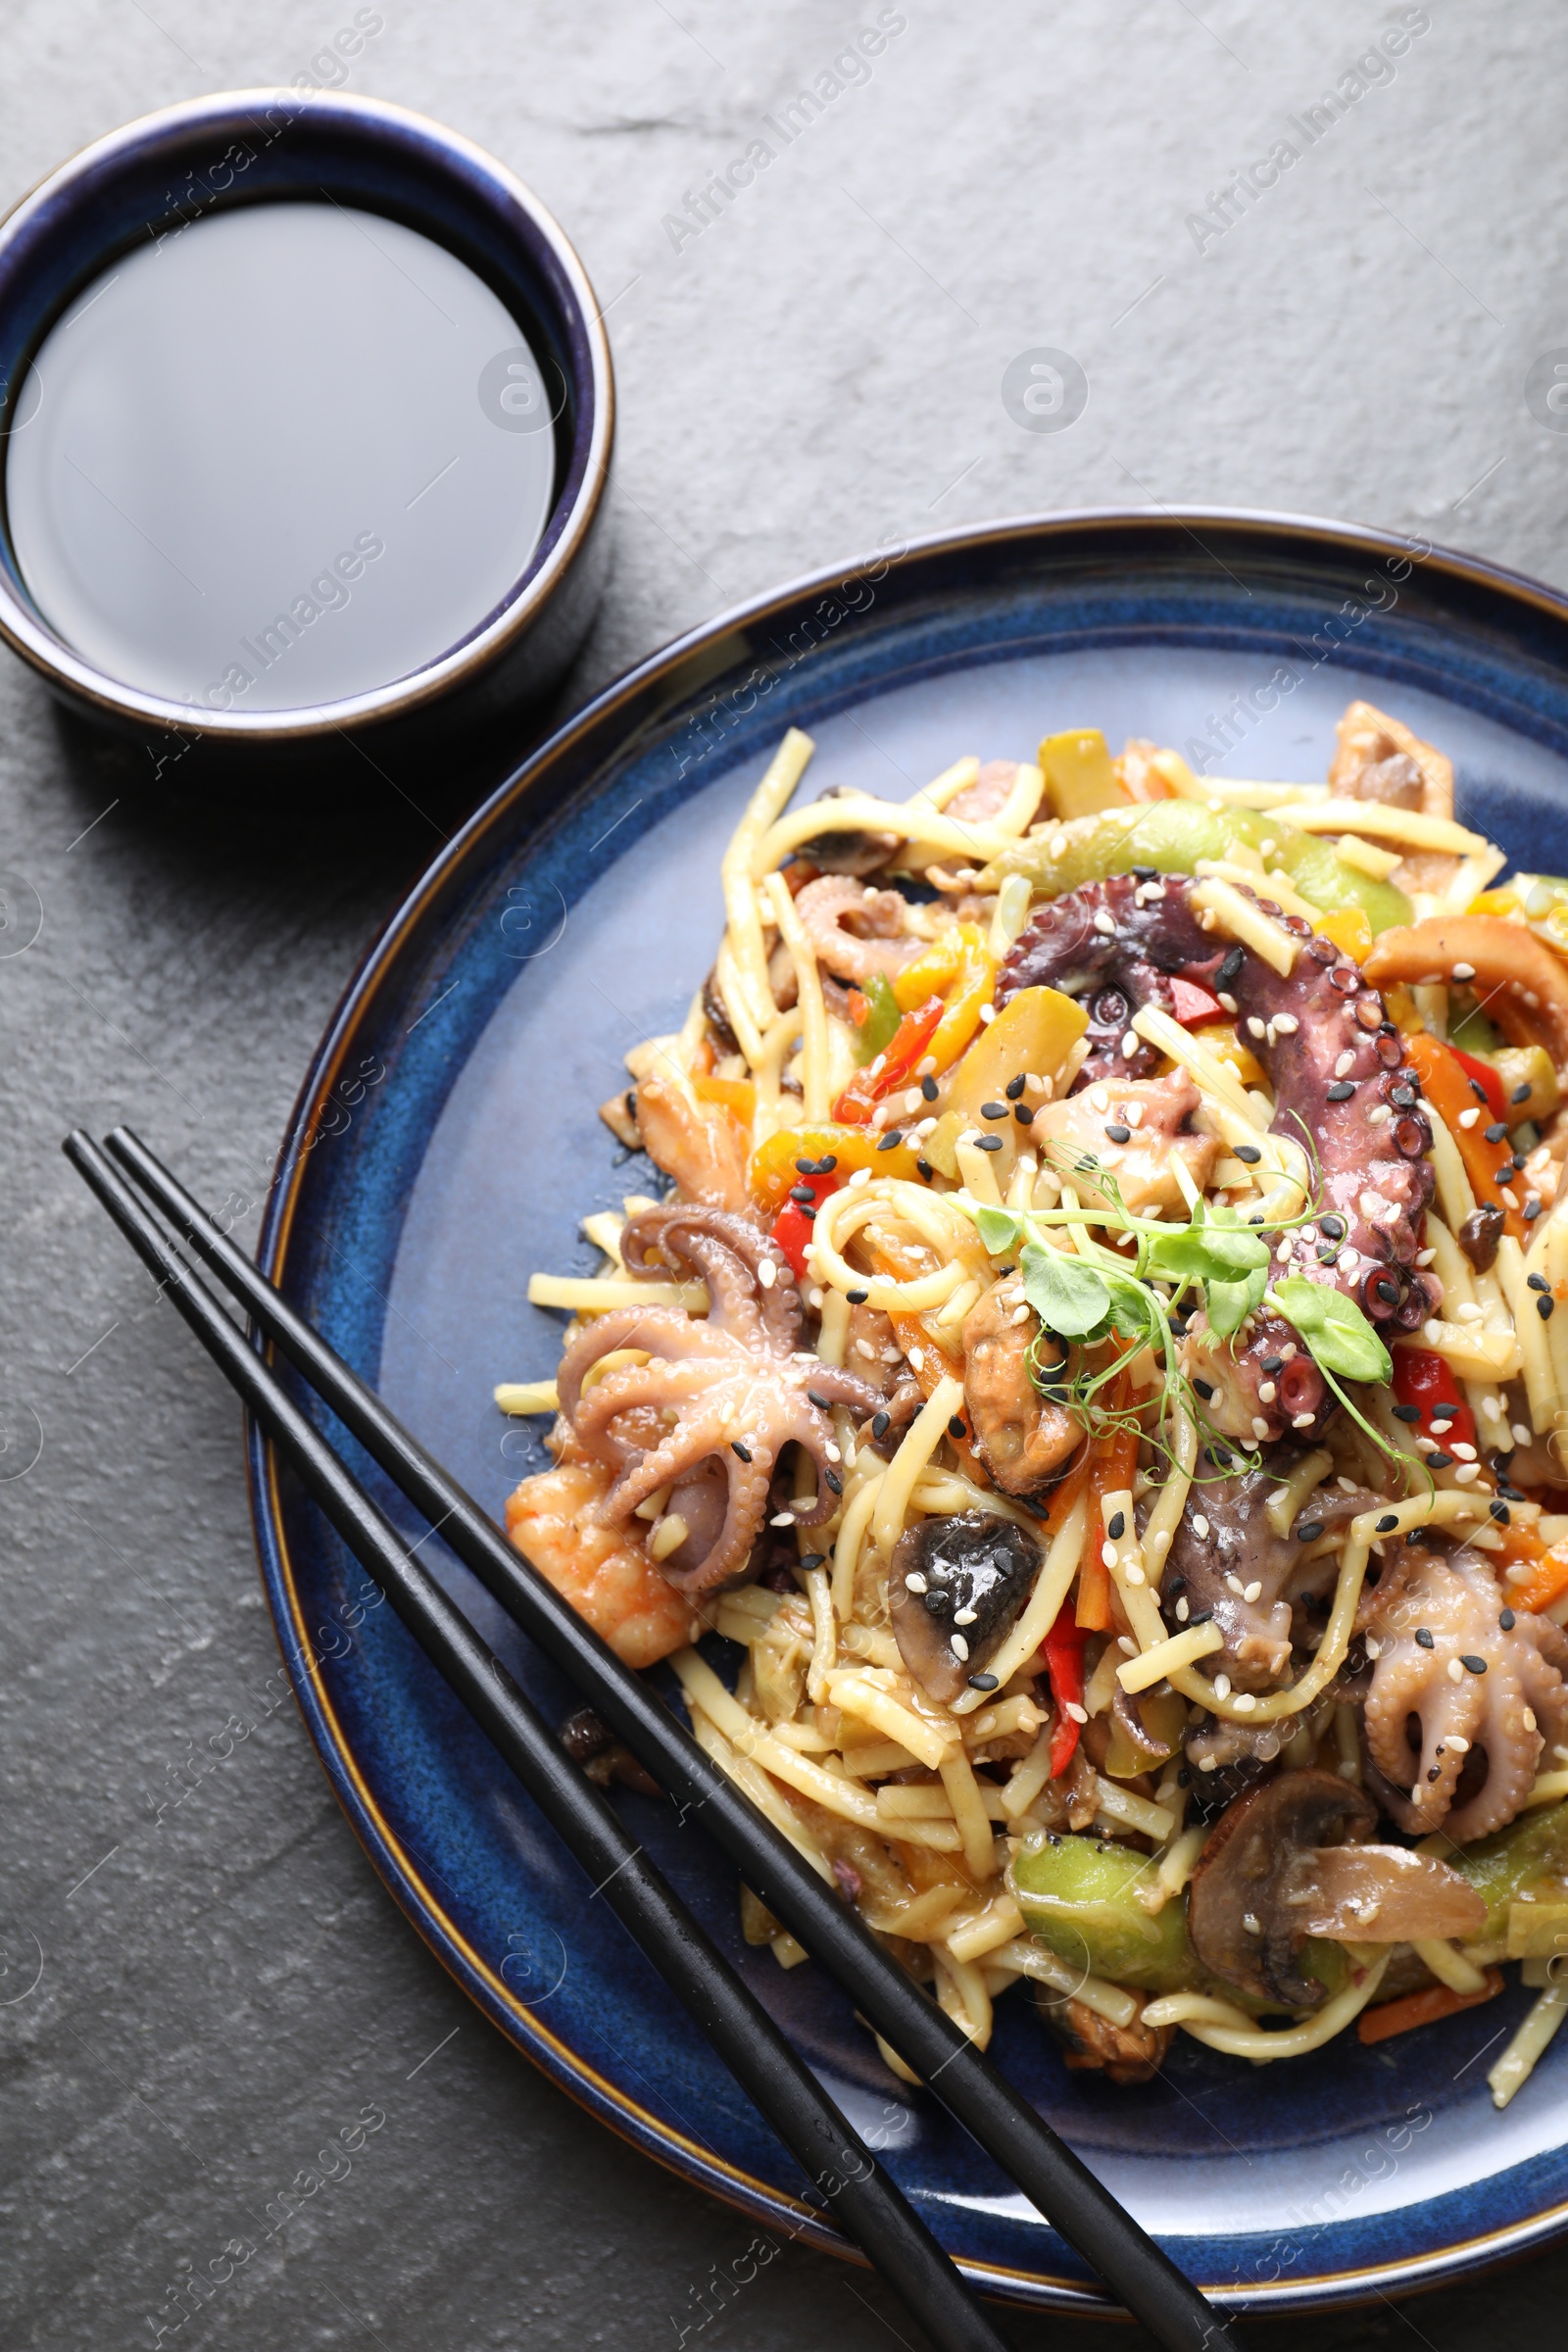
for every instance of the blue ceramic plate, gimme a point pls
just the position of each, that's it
(445, 1144)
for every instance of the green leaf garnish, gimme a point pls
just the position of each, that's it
(1068, 1295)
(999, 1228)
(1335, 1331)
(1230, 1304)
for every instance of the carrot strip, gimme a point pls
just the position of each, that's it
(1112, 1463)
(1422, 2008)
(1447, 1090)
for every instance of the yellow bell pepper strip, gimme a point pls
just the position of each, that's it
(934, 969)
(913, 1040)
(1034, 1033)
(874, 1009)
(773, 1170)
(1350, 929)
(1448, 1090)
(1080, 778)
(738, 1095)
(972, 991)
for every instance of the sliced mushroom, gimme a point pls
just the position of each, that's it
(1387, 1895)
(1245, 1910)
(964, 1577)
(852, 851)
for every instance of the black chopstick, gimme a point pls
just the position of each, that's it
(834, 2158)
(1086, 2213)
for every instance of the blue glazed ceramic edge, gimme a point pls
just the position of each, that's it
(1368, 2256)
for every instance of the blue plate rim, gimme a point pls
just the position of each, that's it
(684, 666)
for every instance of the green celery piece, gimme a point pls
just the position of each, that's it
(1173, 835)
(881, 1020)
(1500, 1867)
(1079, 1896)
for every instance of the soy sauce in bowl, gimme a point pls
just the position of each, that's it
(282, 458)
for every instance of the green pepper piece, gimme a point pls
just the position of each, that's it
(1080, 1897)
(882, 1018)
(1500, 1867)
(1173, 835)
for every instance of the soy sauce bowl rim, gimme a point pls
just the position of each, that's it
(573, 514)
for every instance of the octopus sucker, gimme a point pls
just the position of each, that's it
(1336, 1063)
(1448, 1663)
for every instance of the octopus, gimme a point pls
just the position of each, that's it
(1465, 1694)
(557, 1521)
(1226, 1562)
(1378, 759)
(731, 1390)
(857, 934)
(1020, 1435)
(1156, 1116)
(1335, 1062)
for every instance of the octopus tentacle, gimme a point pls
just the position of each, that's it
(1507, 1701)
(1335, 1062)
(834, 900)
(729, 1251)
(661, 1329)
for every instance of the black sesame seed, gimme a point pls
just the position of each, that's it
(813, 1559)
(982, 1682)
(736, 1447)
(832, 1479)
(1532, 1212)
(1386, 1290)
(804, 1194)
(926, 1169)
(1517, 1162)
(1472, 1664)
(826, 1167)
(1327, 1253)
(1388, 1523)
(1023, 1114)
(1310, 1531)
(1230, 966)
(1119, 1133)
(857, 1298)
(1538, 1282)
(1013, 1087)
(880, 1424)
(929, 1088)
(957, 1426)
(1332, 1226)
(1434, 1772)
(1543, 1308)
(993, 1110)
(988, 1142)
(1424, 1638)
(1273, 1364)
(1203, 1389)
(1116, 1527)
(1496, 1131)
(805, 1167)
(1439, 1461)
(1248, 1152)
(1521, 1093)
(1415, 1536)
(1184, 1779)
(1407, 1412)
(890, 1141)
(1507, 1621)
(817, 1397)
(1499, 1512)
(1341, 1090)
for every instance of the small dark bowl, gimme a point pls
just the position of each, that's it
(249, 146)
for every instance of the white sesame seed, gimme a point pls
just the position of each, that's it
(1492, 1406)
(988, 1013)
(1130, 1113)
(1133, 1573)
(1073, 1709)
(1345, 1065)
(1529, 1719)
(1464, 971)
(1222, 1686)
(1200, 1524)
(1374, 1647)
(1520, 1435)
(1424, 1257)
(1182, 1610)
(1271, 1031)
(1255, 1027)
(1460, 1747)
(1266, 1393)
(1285, 1024)
(1127, 1645)
(767, 1274)
(1466, 1472)
(1467, 1312)
(959, 1646)
(861, 1176)
(1107, 1553)
(1379, 1115)
(1235, 1583)
(1227, 1002)
(1466, 1453)
(1244, 1702)
(1208, 1763)
(1130, 1044)
(1259, 1426)
(1302, 1420)
(782, 1519)
(916, 1358)
(914, 1582)
(964, 1616)
(1104, 923)
(1098, 1097)
(1254, 1590)
(1468, 1119)
(1455, 1670)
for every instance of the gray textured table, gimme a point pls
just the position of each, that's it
(223, 1981)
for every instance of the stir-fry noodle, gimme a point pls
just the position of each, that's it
(1087, 1423)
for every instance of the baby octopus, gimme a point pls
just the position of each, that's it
(1464, 1696)
(1335, 1064)
(731, 1390)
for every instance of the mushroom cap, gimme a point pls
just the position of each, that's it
(1246, 1907)
(974, 1560)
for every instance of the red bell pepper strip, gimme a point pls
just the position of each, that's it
(1193, 1005)
(1486, 1078)
(892, 1069)
(1425, 1382)
(792, 1227)
(1065, 1660)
